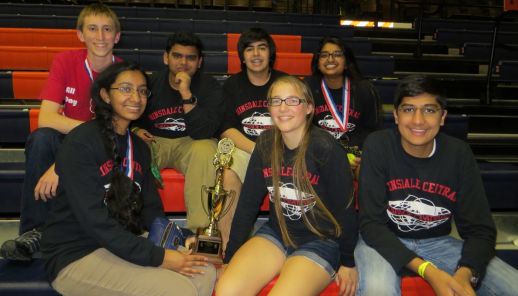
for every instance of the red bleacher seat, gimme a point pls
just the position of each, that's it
(39, 37)
(28, 85)
(283, 43)
(291, 63)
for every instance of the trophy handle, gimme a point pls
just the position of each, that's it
(204, 190)
(232, 195)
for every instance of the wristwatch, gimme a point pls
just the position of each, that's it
(475, 276)
(193, 100)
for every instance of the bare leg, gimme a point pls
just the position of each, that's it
(253, 266)
(230, 181)
(301, 276)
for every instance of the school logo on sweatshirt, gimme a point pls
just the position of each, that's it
(329, 124)
(172, 124)
(257, 123)
(290, 202)
(414, 213)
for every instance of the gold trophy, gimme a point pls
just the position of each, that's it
(208, 239)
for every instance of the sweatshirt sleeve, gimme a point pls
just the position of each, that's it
(472, 215)
(205, 118)
(230, 119)
(337, 172)
(373, 203)
(250, 201)
(85, 194)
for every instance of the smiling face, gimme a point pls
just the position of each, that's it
(290, 120)
(99, 35)
(182, 59)
(418, 130)
(331, 67)
(257, 57)
(126, 107)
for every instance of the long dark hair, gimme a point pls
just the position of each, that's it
(123, 197)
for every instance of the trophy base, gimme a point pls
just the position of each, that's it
(208, 246)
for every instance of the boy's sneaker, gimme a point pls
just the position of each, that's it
(22, 247)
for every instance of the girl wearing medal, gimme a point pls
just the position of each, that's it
(346, 104)
(94, 240)
(311, 233)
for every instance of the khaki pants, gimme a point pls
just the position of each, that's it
(102, 273)
(241, 160)
(194, 159)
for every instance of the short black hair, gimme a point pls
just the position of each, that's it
(418, 84)
(253, 35)
(184, 38)
(351, 71)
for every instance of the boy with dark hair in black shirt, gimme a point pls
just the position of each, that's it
(247, 113)
(182, 115)
(413, 180)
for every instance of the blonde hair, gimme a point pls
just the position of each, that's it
(98, 9)
(300, 172)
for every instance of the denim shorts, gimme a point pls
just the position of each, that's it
(324, 253)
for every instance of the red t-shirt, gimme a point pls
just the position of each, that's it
(69, 84)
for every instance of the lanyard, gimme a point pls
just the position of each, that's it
(129, 155)
(91, 76)
(341, 119)
(89, 70)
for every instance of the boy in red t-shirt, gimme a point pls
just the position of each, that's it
(68, 85)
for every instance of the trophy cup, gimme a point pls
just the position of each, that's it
(208, 239)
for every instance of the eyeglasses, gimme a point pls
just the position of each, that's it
(427, 111)
(337, 55)
(143, 93)
(275, 102)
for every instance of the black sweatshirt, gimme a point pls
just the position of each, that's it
(79, 222)
(164, 116)
(331, 179)
(364, 110)
(246, 106)
(409, 197)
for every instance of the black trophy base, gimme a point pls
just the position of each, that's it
(208, 246)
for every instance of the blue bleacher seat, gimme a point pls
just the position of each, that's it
(245, 16)
(122, 11)
(386, 89)
(15, 126)
(152, 59)
(128, 55)
(211, 15)
(500, 184)
(213, 42)
(131, 39)
(150, 12)
(239, 27)
(10, 21)
(6, 85)
(302, 18)
(181, 13)
(172, 25)
(66, 22)
(39, 21)
(24, 278)
(26, 9)
(376, 66)
(65, 10)
(159, 39)
(482, 51)
(430, 25)
(360, 47)
(330, 19)
(215, 62)
(276, 28)
(141, 24)
(508, 70)
(203, 26)
(338, 30)
(459, 37)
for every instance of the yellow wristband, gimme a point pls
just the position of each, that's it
(134, 129)
(423, 266)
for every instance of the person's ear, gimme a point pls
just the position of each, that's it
(105, 96)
